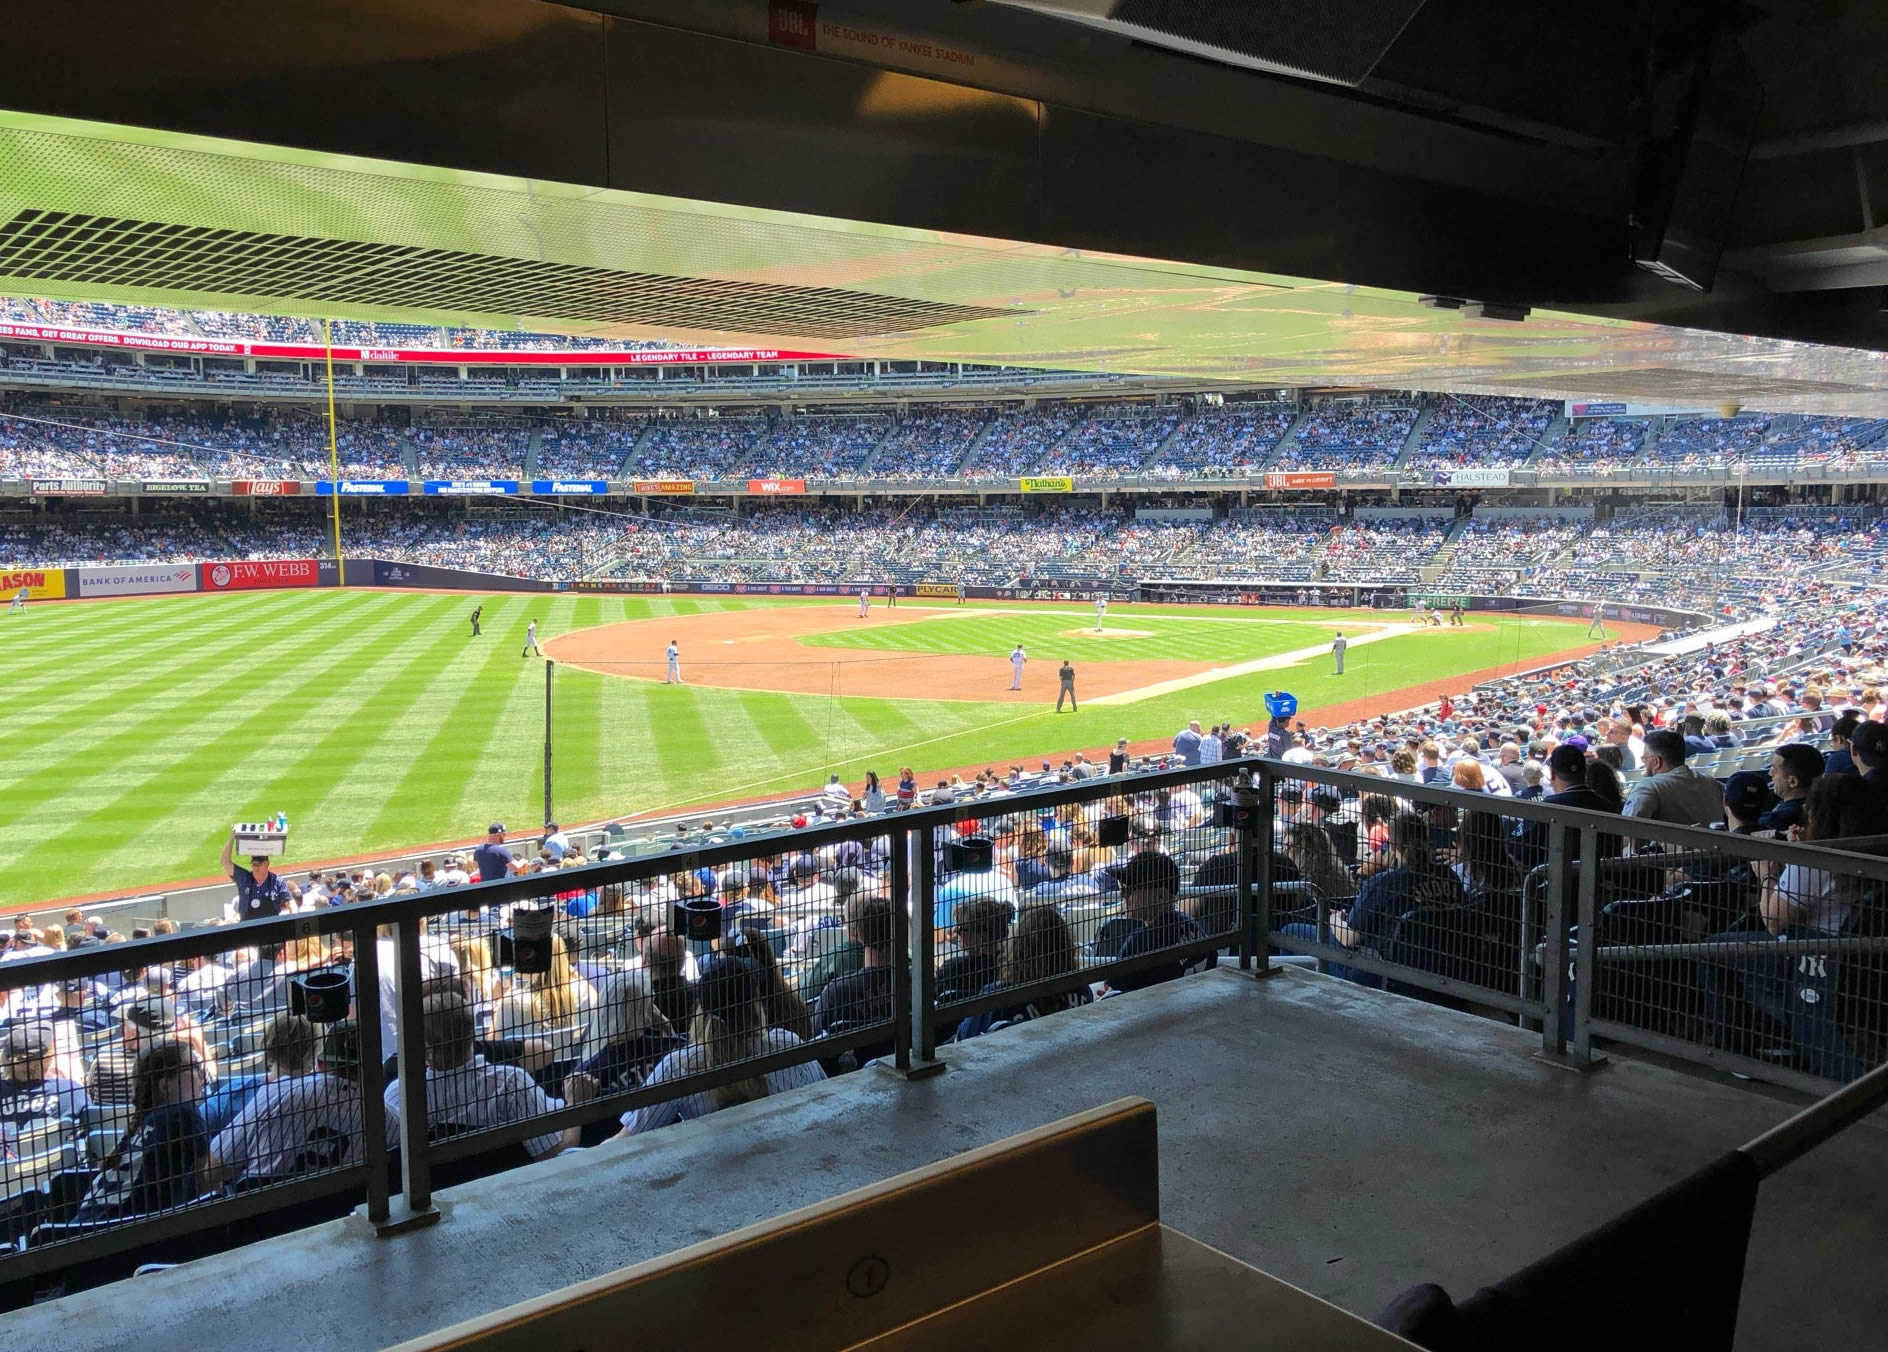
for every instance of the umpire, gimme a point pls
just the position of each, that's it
(477, 611)
(1067, 690)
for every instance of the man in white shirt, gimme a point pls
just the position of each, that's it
(464, 1092)
(306, 1118)
(556, 841)
(1017, 658)
(436, 960)
(1298, 753)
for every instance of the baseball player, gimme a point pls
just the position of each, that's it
(1101, 613)
(1067, 690)
(1455, 615)
(1597, 629)
(19, 601)
(960, 591)
(1337, 650)
(476, 612)
(1017, 658)
(531, 641)
(675, 665)
(865, 601)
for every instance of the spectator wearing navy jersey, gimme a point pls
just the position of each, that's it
(1793, 769)
(1868, 746)
(494, 861)
(32, 1091)
(1150, 891)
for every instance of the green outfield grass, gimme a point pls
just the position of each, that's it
(135, 732)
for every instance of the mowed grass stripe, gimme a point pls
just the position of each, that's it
(412, 807)
(334, 781)
(134, 729)
(169, 658)
(681, 749)
(303, 757)
(579, 705)
(501, 754)
(621, 746)
(220, 744)
(98, 652)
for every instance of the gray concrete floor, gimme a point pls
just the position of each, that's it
(1347, 1141)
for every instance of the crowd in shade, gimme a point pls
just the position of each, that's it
(1427, 436)
(119, 318)
(1703, 561)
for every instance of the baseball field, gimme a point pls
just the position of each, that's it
(135, 732)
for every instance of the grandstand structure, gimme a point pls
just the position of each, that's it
(691, 317)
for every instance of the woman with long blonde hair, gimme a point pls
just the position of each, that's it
(542, 1002)
(729, 1026)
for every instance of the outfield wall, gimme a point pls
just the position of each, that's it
(273, 574)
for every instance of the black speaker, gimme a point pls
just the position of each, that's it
(319, 996)
(1112, 831)
(1692, 164)
(972, 854)
(698, 919)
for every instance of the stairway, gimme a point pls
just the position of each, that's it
(976, 442)
(864, 468)
(1417, 431)
(1551, 437)
(1289, 441)
(533, 444)
(649, 426)
(1153, 456)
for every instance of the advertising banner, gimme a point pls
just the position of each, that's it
(447, 356)
(1478, 478)
(471, 487)
(257, 575)
(380, 573)
(776, 485)
(362, 488)
(1046, 483)
(93, 487)
(173, 486)
(1301, 479)
(936, 589)
(266, 488)
(661, 486)
(569, 488)
(1594, 410)
(135, 579)
(42, 584)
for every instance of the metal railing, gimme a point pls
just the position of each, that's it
(1593, 926)
(370, 1054)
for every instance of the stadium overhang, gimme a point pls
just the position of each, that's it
(90, 211)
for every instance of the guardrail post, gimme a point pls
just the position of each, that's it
(373, 1082)
(1585, 951)
(1255, 877)
(1554, 945)
(914, 1037)
(410, 1042)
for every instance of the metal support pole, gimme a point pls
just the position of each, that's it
(373, 1081)
(1554, 950)
(904, 919)
(921, 872)
(550, 671)
(1585, 961)
(1259, 853)
(410, 1040)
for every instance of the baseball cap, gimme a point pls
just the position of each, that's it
(1326, 797)
(1150, 868)
(153, 1013)
(1869, 739)
(341, 1044)
(1290, 793)
(1568, 761)
(30, 1039)
(1747, 794)
(496, 828)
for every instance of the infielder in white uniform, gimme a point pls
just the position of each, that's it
(865, 601)
(1017, 658)
(1337, 650)
(1101, 611)
(19, 602)
(675, 665)
(531, 641)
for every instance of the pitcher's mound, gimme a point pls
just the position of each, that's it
(1107, 633)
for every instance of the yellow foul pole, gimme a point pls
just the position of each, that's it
(334, 453)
